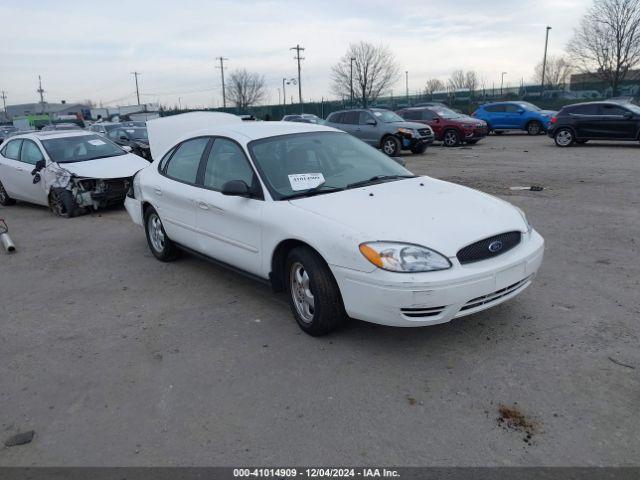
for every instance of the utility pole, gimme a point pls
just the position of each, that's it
(502, 82)
(221, 67)
(135, 74)
(406, 76)
(4, 102)
(352, 60)
(284, 92)
(544, 59)
(299, 49)
(41, 92)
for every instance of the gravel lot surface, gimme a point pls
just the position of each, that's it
(114, 358)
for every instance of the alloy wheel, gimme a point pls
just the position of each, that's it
(389, 147)
(564, 138)
(534, 128)
(156, 233)
(450, 138)
(301, 294)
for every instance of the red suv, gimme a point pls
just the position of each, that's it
(449, 127)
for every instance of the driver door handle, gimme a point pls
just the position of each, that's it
(202, 205)
(157, 191)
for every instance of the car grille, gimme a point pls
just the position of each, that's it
(495, 296)
(422, 312)
(489, 247)
(424, 132)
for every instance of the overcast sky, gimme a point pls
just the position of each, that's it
(86, 50)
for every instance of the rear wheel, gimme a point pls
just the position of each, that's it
(5, 199)
(391, 145)
(534, 127)
(314, 296)
(450, 138)
(564, 137)
(159, 243)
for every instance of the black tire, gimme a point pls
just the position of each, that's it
(327, 312)
(159, 243)
(534, 128)
(419, 150)
(5, 199)
(62, 203)
(391, 145)
(564, 137)
(450, 138)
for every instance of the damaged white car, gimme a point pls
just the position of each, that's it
(69, 171)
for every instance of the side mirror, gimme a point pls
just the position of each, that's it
(520, 111)
(372, 122)
(627, 115)
(126, 148)
(236, 188)
(40, 164)
(122, 137)
(437, 119)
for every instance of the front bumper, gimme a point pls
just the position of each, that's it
(412, 300)
(134, 209)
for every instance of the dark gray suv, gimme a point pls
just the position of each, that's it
(383, 129)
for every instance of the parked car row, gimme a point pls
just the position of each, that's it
(131, 134)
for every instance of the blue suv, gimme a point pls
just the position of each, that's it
(515, 115)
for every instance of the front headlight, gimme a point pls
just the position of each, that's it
(406, 131)
(524, 217)
(403, 257)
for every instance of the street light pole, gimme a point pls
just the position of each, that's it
(406, 78)
(502, 82)
(351, 80)
(544, 59)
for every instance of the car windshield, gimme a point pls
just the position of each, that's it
(529, 106)
(80, 148)
(634, 108)
(137, 133)
(387, 116)
(339, 158)
(444, 112)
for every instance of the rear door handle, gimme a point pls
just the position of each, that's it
(157, 191)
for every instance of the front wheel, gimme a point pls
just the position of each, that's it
(451, 138)
(564, 137)
(5, 199)
(314, 296)
(159, 243)
(419, 149)
(62, 203)
(534, 128)
(391, 145)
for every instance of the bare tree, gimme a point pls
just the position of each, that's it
(434, 85)
(457, 80)
(374, 72)
(556, 73)
(607, 42)
(245, 88)
(460, 80)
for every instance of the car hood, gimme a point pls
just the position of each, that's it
(413, 125)
(122, 166)
(424, 211)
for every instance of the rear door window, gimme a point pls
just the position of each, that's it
(336, 117)
(511, 108)
(411, 115)
(183, 165)
(495, 108)
(612, 110)
(350, 118)
(365, 117)
(584, 110)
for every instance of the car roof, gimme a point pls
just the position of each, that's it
(52, 134)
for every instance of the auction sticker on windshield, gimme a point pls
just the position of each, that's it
(305, 181)
(97, 142)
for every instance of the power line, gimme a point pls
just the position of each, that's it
(221, 67)
(135, 74)
(299, 49)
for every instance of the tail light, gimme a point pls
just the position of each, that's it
(554, 119)
(474, 113)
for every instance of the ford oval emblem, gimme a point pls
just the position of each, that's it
(495, 246)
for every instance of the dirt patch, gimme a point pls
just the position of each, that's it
(511, 418)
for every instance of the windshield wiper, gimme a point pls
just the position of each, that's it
(313, 191)
(378, 178)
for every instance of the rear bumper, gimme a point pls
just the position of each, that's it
(411, 300)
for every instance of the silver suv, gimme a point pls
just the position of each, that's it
(383, 129)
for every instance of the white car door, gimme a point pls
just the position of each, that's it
(19, 157)
(173, 191)
(230, 227)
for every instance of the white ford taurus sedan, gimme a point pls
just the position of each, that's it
(342, 228)
(69, 171)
